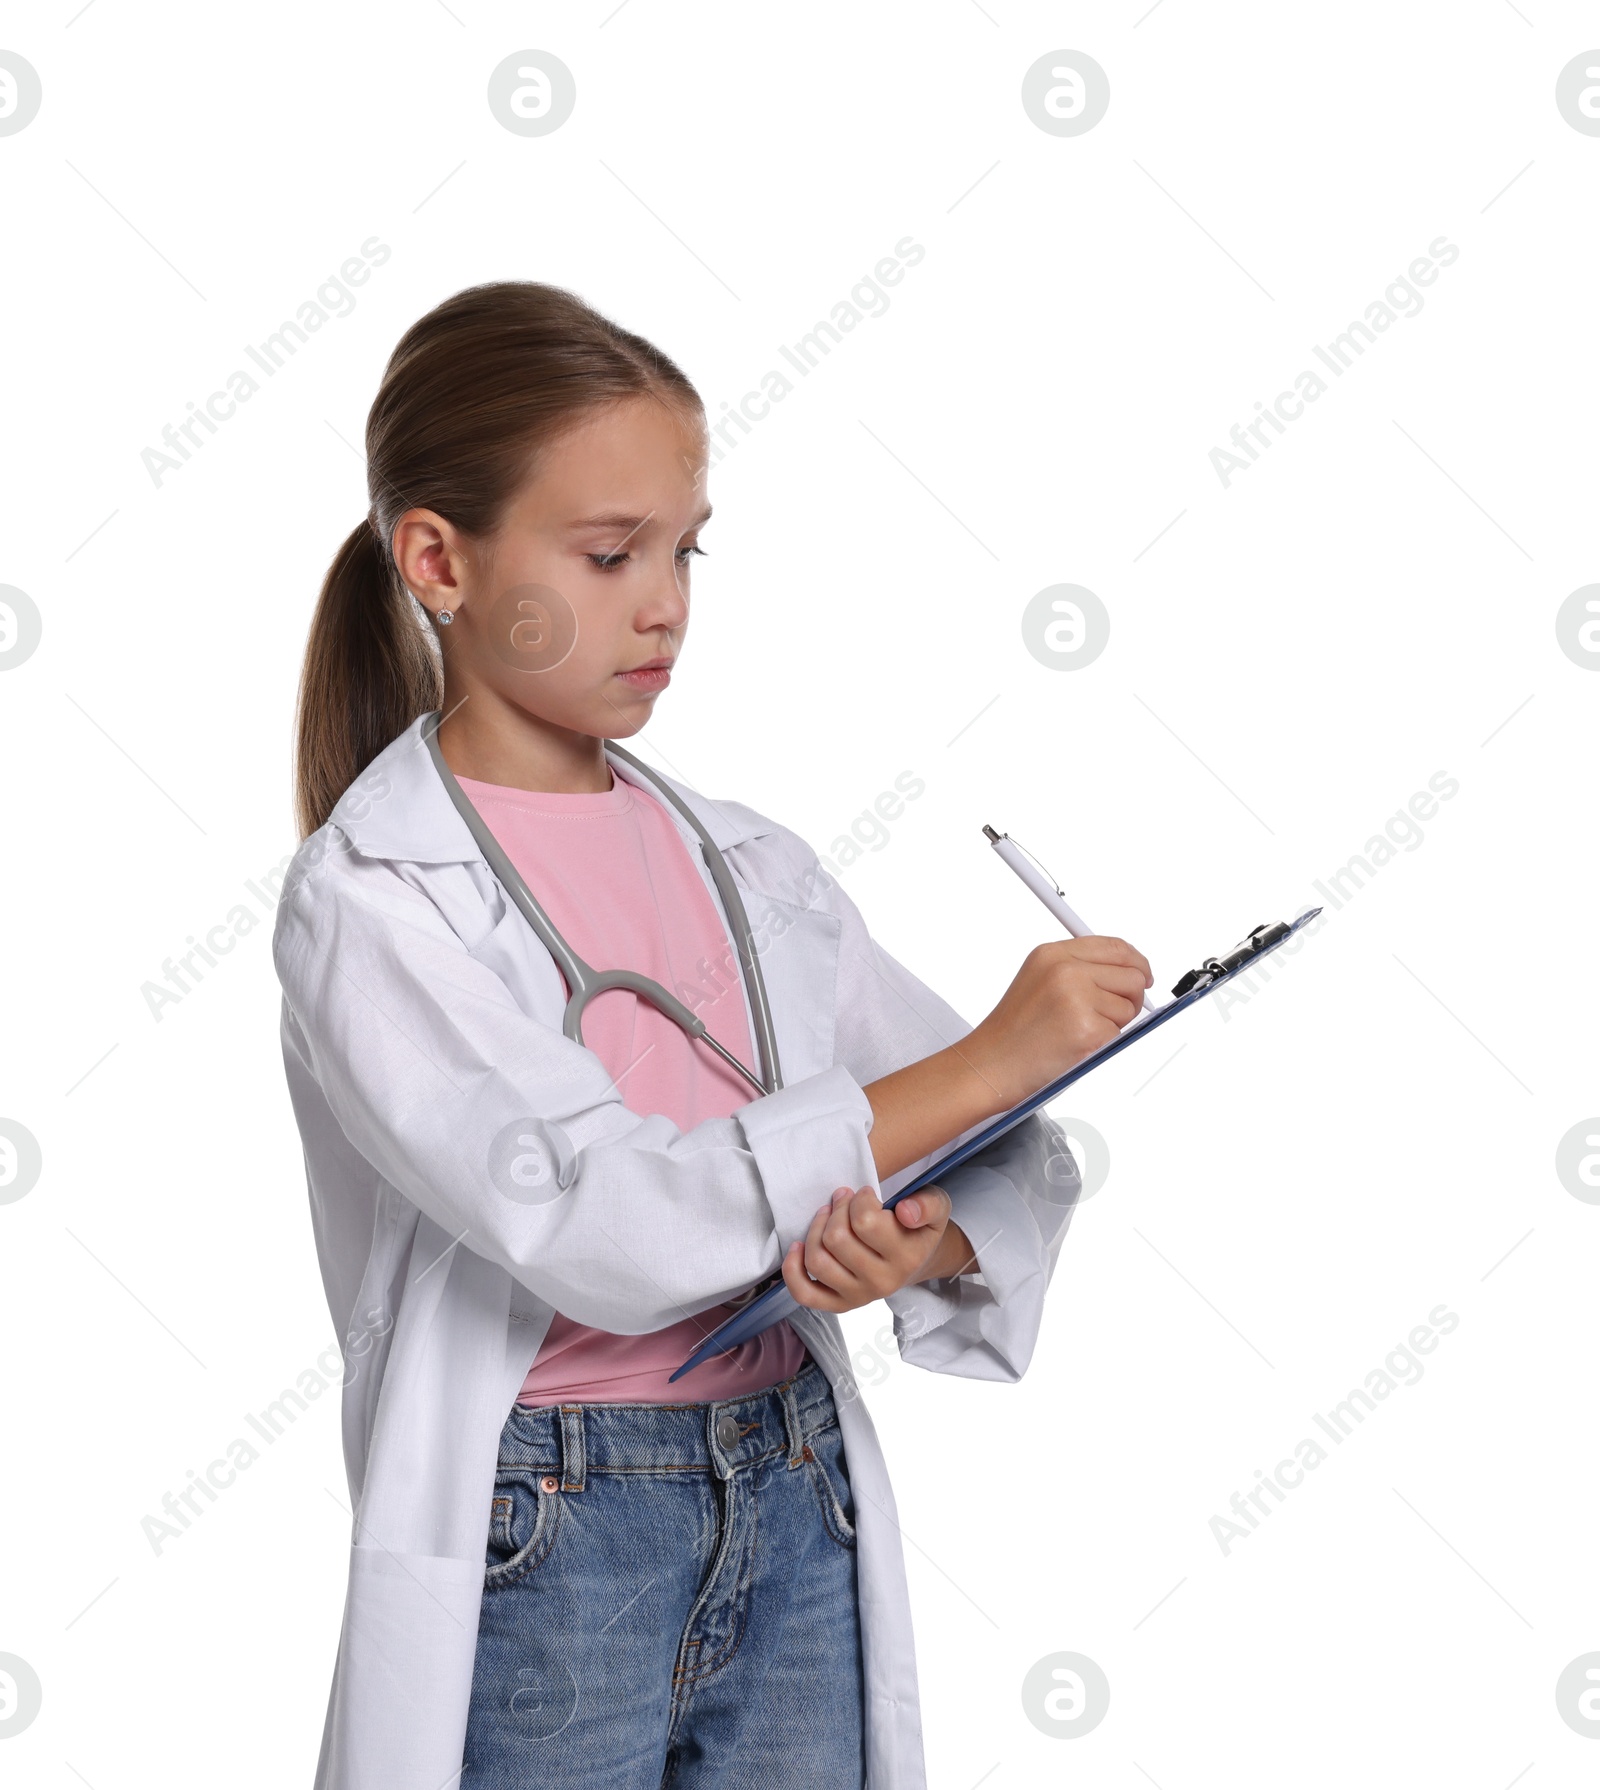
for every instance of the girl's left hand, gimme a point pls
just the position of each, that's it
(855, 1251)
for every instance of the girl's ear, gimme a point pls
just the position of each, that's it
(431, 560)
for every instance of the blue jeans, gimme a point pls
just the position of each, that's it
(670, 1599)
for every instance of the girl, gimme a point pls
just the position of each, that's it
(563, 1569)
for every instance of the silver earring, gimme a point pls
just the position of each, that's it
(446, 616)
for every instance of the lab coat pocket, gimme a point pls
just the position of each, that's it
(830, 1477)
(524, 1522)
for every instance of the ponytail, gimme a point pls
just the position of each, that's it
(472, 395)
(369, 671)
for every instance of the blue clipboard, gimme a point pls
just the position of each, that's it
(772, 1302)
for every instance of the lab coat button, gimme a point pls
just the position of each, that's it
(728, 1431)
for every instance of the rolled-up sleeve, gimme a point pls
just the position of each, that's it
(514, 1138)
(1013, 1199)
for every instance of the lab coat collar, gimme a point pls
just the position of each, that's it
(398, 808)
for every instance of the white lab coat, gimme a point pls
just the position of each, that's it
(421, 1017)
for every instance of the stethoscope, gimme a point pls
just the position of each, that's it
(585, 982)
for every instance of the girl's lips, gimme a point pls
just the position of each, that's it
(657, 678)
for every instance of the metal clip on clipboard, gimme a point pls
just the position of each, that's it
(773, 1302)
(1259, 939)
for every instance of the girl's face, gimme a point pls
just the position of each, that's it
(577, 611)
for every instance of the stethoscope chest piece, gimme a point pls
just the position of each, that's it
(583, 981)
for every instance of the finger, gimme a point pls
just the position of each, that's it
(1095, 948)
(803, 1289)
(857, 1231)
(813, 1234)
(929, 1207)
(821, 1263)
(1128, 981)
(1118, 1009)
(814, 1230)
(894, 1249)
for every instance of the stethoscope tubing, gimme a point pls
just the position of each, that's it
(583, 981)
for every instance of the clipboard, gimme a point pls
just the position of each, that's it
(772, 1302)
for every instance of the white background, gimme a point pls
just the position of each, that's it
(1309, 1173)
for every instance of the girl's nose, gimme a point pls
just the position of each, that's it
(668, 605)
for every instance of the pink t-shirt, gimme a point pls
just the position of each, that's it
(614, 874)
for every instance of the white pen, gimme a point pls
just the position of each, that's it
(1033, 874)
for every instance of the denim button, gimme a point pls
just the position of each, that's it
(728, 1431)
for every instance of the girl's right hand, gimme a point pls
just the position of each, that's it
(1070, 998)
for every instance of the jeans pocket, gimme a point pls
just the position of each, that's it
(524, 1520)
(830, 1477)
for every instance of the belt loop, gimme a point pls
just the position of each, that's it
(572, 1457)
(791, 1423)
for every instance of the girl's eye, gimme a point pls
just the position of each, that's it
(608, 562)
